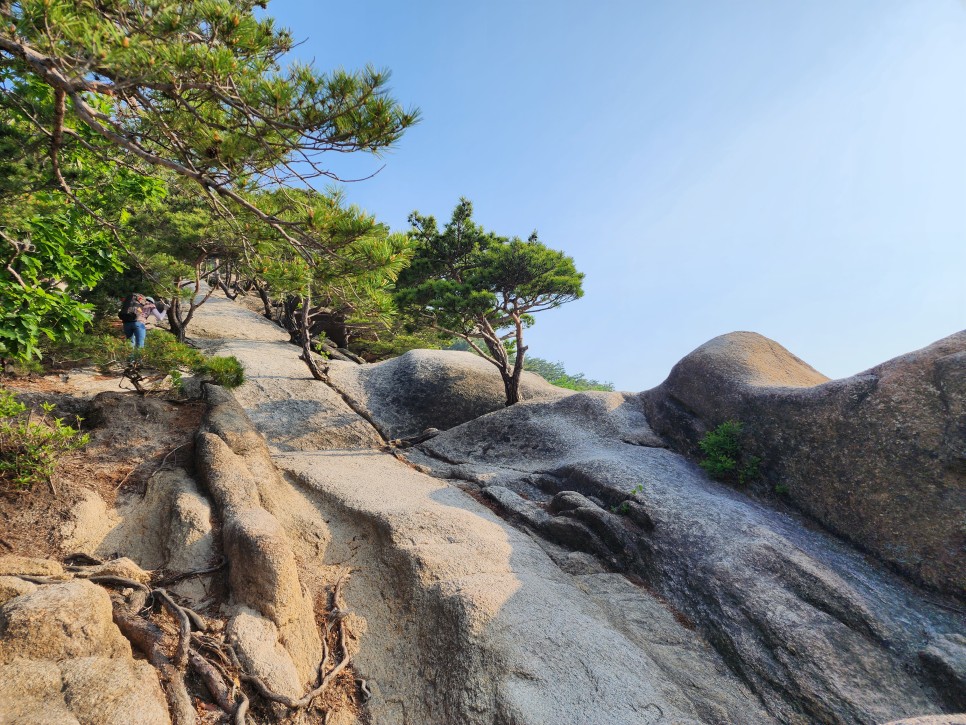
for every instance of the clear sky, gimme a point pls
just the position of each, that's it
(795, 169)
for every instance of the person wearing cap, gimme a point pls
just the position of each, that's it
(153, 310)
(136, 330)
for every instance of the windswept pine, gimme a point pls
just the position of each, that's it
(484, 288)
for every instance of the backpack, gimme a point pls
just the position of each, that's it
(131, 307)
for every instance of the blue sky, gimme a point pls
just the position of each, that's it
(796, 169)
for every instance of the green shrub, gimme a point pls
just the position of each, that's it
(23, 368)
(93, 348)
(724, 457)
(162, 353)
(29, 446)
(398, 342)
(225, 371)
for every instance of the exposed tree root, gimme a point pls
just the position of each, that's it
(80, 559)
(213, 680)
(147, 636)
(175, 578)
(202, 650)
(337, 617)
(184, 627)
(214, 661)
(118, 581)
(41, 579)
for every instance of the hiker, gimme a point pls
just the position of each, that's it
(154, 312)
(136, 309)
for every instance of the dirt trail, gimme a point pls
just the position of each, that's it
(467, 619)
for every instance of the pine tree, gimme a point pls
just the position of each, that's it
(483, 288)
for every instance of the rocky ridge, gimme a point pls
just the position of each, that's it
(555, 561)
(879, 458)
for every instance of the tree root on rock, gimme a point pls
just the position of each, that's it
(198, 645)
(214, 661)
(175, 578)
(147, 637)
(337, 617)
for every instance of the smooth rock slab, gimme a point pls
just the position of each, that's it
(879, 458)
(500, 633)
(430, 389)
(818, 634)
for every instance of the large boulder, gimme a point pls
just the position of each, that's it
(60, 621)
(430, 389)
(879, 458)
(238, 472)
(63, 660)
(817, 632)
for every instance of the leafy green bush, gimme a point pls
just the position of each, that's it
(22, 368)
(95, 348)
(30, 447)
(725, 459)
(164, 353)
(398, 341)
(225, 371)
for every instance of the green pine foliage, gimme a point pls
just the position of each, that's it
(555, 373)
(227, 372)
(162, 354)
(198, 88)
(472, 284)
(187, 97)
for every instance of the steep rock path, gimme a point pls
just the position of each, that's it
(467, 618)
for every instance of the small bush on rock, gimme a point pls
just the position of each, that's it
(554, 372)
(225, 371)
(724, 457)
(164, 353)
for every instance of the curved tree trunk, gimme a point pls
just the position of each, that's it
(178, 327)
(512, 387)
(305, 335)
(512, 382)
(266, 300)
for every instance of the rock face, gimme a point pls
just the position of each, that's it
(61, 621)
(170, 528)
(469, 621)
(631, 588)
(430, 389)
(879, 458)
(818, 633)
(63, 660)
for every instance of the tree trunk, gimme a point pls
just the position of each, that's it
(289, 318)
(510, 375)
(306, 337)
(224, 288)
(512, 383)
(175, 320)
(266, 300)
